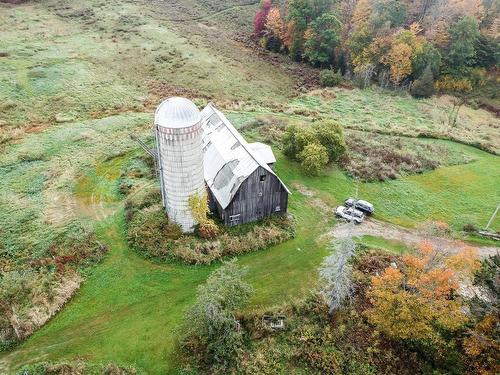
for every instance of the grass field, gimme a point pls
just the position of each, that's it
(77, 78)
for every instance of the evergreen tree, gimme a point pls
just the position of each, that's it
(424, 86)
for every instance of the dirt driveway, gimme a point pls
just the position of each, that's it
(410, 237)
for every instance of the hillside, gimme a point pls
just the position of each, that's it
(77, 78)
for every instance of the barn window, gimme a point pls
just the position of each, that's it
(234, 218)
(262, 177)
(278, 209)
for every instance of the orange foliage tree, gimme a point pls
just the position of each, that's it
(417, 301)
(399, 61)
(275, 24)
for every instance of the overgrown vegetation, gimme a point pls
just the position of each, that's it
(75, 368)
(405, 316)
(153, 235)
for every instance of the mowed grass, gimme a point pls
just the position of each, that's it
(129, 310)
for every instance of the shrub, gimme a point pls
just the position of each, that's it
(295, 139)
(314, 146)
(470, 228)
(314, 158)
(424, 86)
(329, 78)
(208, 229)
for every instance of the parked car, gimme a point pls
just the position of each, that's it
(361, 205)
(350, 214)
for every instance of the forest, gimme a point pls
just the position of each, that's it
(428, 45)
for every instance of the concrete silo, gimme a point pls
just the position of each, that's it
(180, 157)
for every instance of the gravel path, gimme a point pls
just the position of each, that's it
(410, 237)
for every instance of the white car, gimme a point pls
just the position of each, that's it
(361, 205)
(350, 214)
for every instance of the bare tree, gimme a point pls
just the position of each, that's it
(336, 273)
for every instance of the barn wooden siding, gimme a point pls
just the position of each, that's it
(259, 196)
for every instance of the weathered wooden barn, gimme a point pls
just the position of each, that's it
(242, 184)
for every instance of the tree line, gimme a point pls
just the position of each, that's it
(394, 41)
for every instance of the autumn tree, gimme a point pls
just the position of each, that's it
(275, 26)
(399, 61)
(417, 300)
(261, 17)
(198, 204)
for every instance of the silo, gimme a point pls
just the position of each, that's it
(180, 157)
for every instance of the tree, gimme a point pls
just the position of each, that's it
(424, 86)
(211, 325)
(321, 39)
(314, 158)
(399, 61)
(329, 134)
(336, 273)
(275, 26)
(260, 18)
(417, 300)
(463, 39)
(426, 56)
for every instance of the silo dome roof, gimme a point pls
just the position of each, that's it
(177, 112)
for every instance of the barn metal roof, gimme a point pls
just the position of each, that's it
(177, 112)
(264, 151)
(228, 158)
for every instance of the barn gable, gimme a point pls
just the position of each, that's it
(228, 158)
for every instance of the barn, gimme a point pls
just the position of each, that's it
(242, 185)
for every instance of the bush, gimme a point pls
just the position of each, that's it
(328, 78)
(208, 229)
(314, 146)
(295, 139)
(314, 158)
(424, 86)
(469, 228)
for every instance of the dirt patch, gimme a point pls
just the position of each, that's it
(303, 190)
(411, 238)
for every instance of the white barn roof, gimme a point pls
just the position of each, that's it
(228, 159)
(264, 151)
